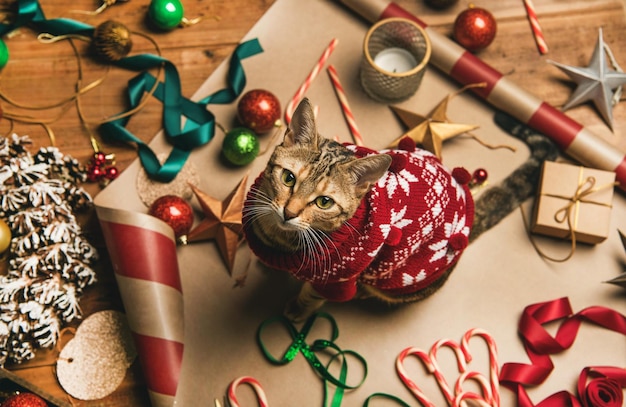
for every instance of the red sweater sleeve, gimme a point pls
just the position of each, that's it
(339, 292)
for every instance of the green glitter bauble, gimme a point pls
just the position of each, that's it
(166, 14)
(241, 146)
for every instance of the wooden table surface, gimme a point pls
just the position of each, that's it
(39, 74)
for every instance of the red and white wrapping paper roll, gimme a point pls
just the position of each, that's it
(143, 254)
(573, 138)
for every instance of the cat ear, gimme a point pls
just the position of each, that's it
(302, 129)
(368, 170)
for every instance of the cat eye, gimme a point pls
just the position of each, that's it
(288, 178)
(324, 202)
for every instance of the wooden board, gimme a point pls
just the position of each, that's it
(44, 73)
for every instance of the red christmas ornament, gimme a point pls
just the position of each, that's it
(176, 212)
(24, 400)
(111, 173)
(259, 110)
(94, 173)
(101, 168)
(99, 158)
(480, 176)
(475, 28)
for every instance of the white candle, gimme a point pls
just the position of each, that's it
(396, 60)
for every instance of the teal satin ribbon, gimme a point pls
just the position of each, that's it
(199, 128)
(30, 12)
(300, 345)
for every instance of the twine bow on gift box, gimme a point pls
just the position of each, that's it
(569, 213)
(583, 190)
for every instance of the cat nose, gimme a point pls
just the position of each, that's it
(288, 214)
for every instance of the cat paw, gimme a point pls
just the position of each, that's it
(295, 312)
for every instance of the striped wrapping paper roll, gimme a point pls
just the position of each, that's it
(143, 254)
(464, 67)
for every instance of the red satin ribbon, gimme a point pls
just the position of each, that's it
(597, 386)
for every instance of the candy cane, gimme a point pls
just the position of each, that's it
(461, 357)
(291, 106)
(534, 24)
(410, 384)
(486, 399)
(345, 107)
(493, 360)
(252, 382)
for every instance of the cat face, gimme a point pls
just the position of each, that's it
(311, 185)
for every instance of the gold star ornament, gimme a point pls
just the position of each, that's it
(431, 131)
(222, 221)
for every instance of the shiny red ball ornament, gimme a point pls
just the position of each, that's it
(24, 400)
(111, 173)
(95, 173)
(475, 28)
(479, 176)
(259, 110)
(176, 212)
(99, 158)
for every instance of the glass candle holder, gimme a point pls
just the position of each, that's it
(395, 54)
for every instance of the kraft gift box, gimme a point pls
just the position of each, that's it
(574, 201)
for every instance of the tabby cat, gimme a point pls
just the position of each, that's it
(355, 223)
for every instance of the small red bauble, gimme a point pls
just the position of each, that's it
(94, 173)
(99, 158)
(24, 400)
(259, 110)
(111, 173)
(176, 212)
(475, 28)
(480, 176)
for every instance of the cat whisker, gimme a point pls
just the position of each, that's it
(317, 253)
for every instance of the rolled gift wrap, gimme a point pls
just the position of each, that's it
(572, 137)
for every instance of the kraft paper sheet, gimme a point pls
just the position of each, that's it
(497, 276)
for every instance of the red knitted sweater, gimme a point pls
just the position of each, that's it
(409, 229)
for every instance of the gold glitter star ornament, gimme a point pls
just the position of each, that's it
(222, 221)
(595, 82)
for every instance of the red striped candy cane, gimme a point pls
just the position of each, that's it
(410, 384)
(534, 25)
(461, 358)
(493, 360)
(291, 106)
(345, 107)
(252, 382)
(483, 399)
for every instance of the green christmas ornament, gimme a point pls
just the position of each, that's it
(4, 54)
(166, 14)
(240, 146)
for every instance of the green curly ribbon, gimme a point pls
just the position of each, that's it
(385, 396)
(300, 345)
(200, 126)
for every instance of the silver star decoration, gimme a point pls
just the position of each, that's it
(621, 279)
(596, 82)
